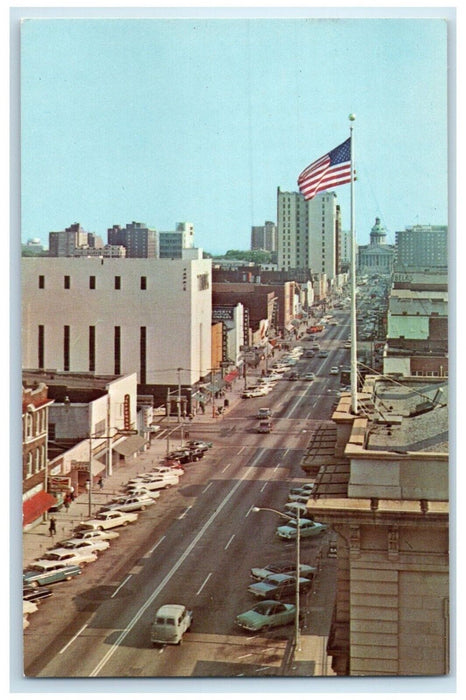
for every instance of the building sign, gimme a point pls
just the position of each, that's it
(222, 313)
(402, 277)
(246, 326)
(59, 483)
(127, 412)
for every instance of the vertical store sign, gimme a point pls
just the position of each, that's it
(127, 412)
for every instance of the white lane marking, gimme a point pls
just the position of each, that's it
(228, 465)
(243, 448)
(121, 585)
(229, 542)
(207, 487)
(206, 579)
(277, 467)
(266, 483)
(156, 545)
(72, 639)
(172, 571)
(180, 517)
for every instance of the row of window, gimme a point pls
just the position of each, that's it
(117, 340)
(34, 424)
(92, 282)
(35, 461)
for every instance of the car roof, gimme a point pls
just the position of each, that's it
(170, 609)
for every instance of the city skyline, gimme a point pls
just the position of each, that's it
(201, 120)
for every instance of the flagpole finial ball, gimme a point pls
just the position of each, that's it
(352, 117)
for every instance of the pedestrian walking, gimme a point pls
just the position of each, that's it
(67, 503)
(52, 527)
(101, 482)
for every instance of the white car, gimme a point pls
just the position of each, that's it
(94, 535)
(334, 370)
(109, 519)
(68, 556)
(179, 471)
(153, 482)
(126, 504)
(79, 545)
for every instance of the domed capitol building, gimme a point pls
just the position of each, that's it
(378, 256)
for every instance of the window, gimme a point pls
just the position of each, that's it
(142, 354)
(40, 346)
(117, 282)
(41, 282)
(66, 282)
(66, 348)
(117, 349)
(92, 282)
(91, 348)
(143, 282)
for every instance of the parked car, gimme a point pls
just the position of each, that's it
(301, 489)
(161, 469)
(293, 376)
(170, 623)
(93, 535)
(187, 456)
(307, 528)
(202, 444)
(347, 345)
(154, 482)
(309, 353)
(282, 567)
(47, 572)
(108, 520)
(126, 504)
(293, 508)
(79, 545)
(299, 497)
(169, 462)
(266, 614)
(34, 594)
(334, 370)
(278, 586)
(323, 353)
(68, 556)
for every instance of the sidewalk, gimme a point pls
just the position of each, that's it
(37, 540)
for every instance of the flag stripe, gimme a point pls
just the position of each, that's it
(331, 170)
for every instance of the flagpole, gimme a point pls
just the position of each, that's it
(354, 365)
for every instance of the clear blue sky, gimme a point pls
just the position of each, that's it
(161, 121)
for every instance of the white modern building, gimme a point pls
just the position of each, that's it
(118, 316)
(309, 232)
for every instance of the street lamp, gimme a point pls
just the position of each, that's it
(256, 509)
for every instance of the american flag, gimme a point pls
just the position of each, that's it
(329, 171)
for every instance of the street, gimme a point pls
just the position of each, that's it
(196, 546)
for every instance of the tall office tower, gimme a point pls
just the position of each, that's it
(264, 237)
(345, 247)
(62, 244)
(309, 232)
(421, 246)
(172, 243)
(139, 240)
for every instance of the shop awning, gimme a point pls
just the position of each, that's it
(97, 466)
(130, 445)
(35, 506)
(231, 375)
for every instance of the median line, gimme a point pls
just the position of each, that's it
(172, 571)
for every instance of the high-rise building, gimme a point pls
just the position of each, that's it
(264, 237)
(172, 243)
(139, 240)
(62, 244)
(309, 232)
(422, 247)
